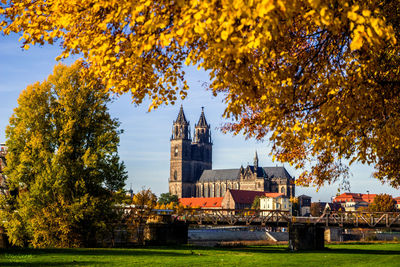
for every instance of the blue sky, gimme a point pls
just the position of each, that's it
(144, 146)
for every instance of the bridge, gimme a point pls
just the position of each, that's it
(304, 232)
(284, 218)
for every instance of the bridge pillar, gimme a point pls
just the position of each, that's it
(305, 237)
(165, 232)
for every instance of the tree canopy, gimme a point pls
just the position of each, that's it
(319, 79)
(63, 168)
(167, 198)
(383, 203)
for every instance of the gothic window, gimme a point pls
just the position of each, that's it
(206, 191)
(223, 190)
(176, 151)
(218, 191)
(201, 190)
(212, 190)
(282, 190)
(236, 186)
(175, 175)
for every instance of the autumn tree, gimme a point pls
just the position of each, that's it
(63, 169)
(144, 201)
(383, 203)
(167, 198)
(319, 79)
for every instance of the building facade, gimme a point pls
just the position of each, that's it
(191, 173)
(274, 201)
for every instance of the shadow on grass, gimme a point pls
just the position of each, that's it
(137, 251)
(175, 251)
(52, 263)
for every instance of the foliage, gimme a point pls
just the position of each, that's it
(166, 198)
(256, 203)
(383, 202)
(62, 163)
(145, 199)
(318, 78)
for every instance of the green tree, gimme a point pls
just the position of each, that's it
(256, 203)
(383, 203)
(63, 168)
(318, 78)
(166, 198)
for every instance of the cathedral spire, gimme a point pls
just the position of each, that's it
(181, 117)
(180, 129)
(256, 161)
(202, 132)
(202, 120)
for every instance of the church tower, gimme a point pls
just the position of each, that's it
(201, 147)
(180, 161)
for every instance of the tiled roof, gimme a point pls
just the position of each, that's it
(273, 195)
(355, 197)
(245, 196)
(277, 172)
(368, 197)
(202, 202)
(219, 175)
(233, 174)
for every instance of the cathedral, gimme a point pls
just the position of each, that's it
(191, 173)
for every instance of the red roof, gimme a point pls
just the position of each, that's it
(246, 196)
(354, 197)
(368, 197)
(202, 202)
(397, 199)
(273, 195)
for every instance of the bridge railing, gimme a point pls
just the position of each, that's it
(358, 219)
(270, 217)
(233, 216)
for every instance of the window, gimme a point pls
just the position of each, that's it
(282, 190)
(175, 175)
(176, 150)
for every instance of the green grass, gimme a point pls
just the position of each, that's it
(378, 254)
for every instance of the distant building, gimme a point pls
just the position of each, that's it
(354, 197)
(354, 206)
(304, 205)
(3, 148)
(240, 199)
(333, 207)
(397, 199)
(191, 173)
(202, 202)
(274, 201)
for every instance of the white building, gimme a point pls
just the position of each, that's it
(273, 202)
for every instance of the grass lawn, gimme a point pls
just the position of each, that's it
(377, 254)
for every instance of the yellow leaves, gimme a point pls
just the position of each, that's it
(180, 32)
(26, 47)
(224, 35)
